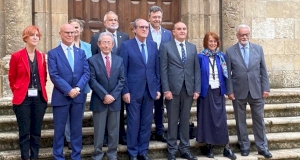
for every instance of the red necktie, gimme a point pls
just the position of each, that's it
(107, 66)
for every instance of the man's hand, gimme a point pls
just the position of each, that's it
(73, 93)
(196, 96)
(265, 94)
(168, 95)
(126, 98)
(108, 99)
(231, 96)
(157, 95)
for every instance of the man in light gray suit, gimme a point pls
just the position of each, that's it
(248, 82)
(107, 81)
(180, 78)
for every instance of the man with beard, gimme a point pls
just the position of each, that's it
(159, 35)
(248, 82)
(111, 24)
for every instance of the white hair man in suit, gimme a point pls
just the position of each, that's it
(248, 82)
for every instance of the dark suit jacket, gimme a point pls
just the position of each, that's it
(243, 80)
(102, 85)
(121, 36)
(64, 79)
(166, 36)
(204, 72)
(174, 72)
(19, 75)
(137, 73)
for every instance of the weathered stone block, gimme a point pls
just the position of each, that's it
(255, 9)
(284, 28)
(282, 62)
(297, 28)
(263, 28)
(271, 46)
(57, 21)
(59, 6)
(2, 23)
(292, 46)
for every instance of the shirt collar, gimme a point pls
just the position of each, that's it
(65, 46)
(115, 33)
(153, 30)
(178, 43)
(139, 42)
(241, 46)
(104, 55)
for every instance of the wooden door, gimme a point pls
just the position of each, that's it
(92, 13)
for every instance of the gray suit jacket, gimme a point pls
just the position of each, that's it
(242, 80)
(174, 73)
(102, 85)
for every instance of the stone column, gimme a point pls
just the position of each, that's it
(200, 16)
(18, 15)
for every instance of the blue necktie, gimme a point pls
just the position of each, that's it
(70, 58)
(183, 57)
(246, 56)
(143, 52)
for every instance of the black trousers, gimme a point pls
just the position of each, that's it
(30, 114)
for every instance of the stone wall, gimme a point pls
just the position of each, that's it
(275, 26)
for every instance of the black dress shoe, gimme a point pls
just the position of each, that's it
(161, 138)
(132, 158)
(122, 140)
(188, 155)
(209, 152)
(244, 152)
(143, 157)
(228, 153)
(69, 146)
(265, 153)
(171, 157)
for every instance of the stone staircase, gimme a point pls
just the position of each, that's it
(282, 119)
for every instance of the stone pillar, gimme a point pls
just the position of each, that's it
(17, 15)
(200, 16)
(232, 15)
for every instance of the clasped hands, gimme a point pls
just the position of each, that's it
(73, 93)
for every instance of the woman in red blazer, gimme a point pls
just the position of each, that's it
(27, 80)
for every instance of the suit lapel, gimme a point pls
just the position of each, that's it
(252, 53)
(135, 46)
(62, 55)
(102, 65)
(173, 43)
(25, 61)
(239, 54)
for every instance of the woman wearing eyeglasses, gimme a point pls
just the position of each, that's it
(211, 112)
(27, 80)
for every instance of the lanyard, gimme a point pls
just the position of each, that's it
(213, 66)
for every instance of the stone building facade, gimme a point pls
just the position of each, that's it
(275, 25)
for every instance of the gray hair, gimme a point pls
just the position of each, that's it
(135, 22)
(154, 9)
(242, 26)
(78, 21)
(109, 12)
(106, 34)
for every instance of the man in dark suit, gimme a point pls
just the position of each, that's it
(68, 80)
(111, 24)
(107, 81)
(180, 78)
(248, 82)
(159, 35)
(142, 87)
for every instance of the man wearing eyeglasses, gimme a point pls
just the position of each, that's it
(160, 35)
(248, 82)
(111, 24)
(69, 72)
(142, 87)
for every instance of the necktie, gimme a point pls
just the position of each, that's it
(143, 52)
(114, 50)
(70, 58)
(107, 66)
(246, 56)
(183, 57)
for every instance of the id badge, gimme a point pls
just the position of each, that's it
(214, 85)
(32, 92)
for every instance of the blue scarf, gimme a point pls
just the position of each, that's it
(209, 53)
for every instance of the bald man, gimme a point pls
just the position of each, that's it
(67, 99)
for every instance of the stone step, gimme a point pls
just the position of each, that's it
(9, 140)
(288, 143)
(277, 96)
(8, 122)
